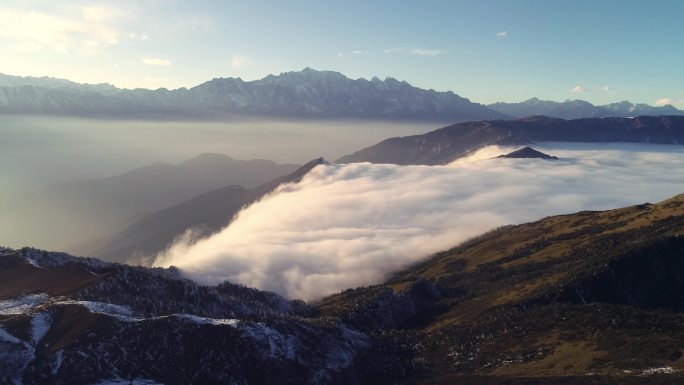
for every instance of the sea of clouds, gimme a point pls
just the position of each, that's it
(351, 225)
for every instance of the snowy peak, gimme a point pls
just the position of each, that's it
(575, 109)
(308, 93)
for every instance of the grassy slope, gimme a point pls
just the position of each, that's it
(592, 297)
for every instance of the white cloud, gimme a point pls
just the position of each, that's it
(350, 225)
(86, 30)
(136, 36)
(415, 51)
(502, 34)
(577, 90)
(355, 52)
(239, 61)
(151, 61)
(664, 101)
(426, 52)
(604, 88)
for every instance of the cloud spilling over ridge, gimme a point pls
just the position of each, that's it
(350, 225)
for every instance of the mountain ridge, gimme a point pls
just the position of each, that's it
(292, 94)
(448, 143)
(57, 216)
(575, 109)
(296, 94)
(203, 214)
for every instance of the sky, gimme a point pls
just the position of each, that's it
(485, 50)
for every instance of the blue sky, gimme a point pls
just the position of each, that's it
(487, 51)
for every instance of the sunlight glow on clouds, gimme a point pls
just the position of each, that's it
(86, 31)
(344, 226)
(663, 102)
(239, 61)
(577, 90)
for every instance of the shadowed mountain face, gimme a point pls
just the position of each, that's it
(586, 298)
(575, 109)
(68, 214)
(527, 153)
(81, 321)
(204, 214)
(449, 143)
(308, 93)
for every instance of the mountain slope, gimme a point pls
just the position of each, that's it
(204, 214)
(307, 93)
(554, 301)
(575, 109)
(65, 215)
(449, 143)
(134, 325)
(585, 298)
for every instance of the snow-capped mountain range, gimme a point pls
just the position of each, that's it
(307, 93)
(301, 94)
(576, 109)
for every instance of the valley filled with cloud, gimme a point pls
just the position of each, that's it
(352, 225)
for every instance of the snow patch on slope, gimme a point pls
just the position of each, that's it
(275, 344)
(33, 262)
(209, 321)
(40, 325)
(22, 304)
(123, 313)
(15, 355)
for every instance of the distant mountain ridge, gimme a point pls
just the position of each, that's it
(449, 143)
(89, 209)
(575, 109)
(204, 214)
(306, 93)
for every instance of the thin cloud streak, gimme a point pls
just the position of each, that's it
(356, 52)
(415, 51)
